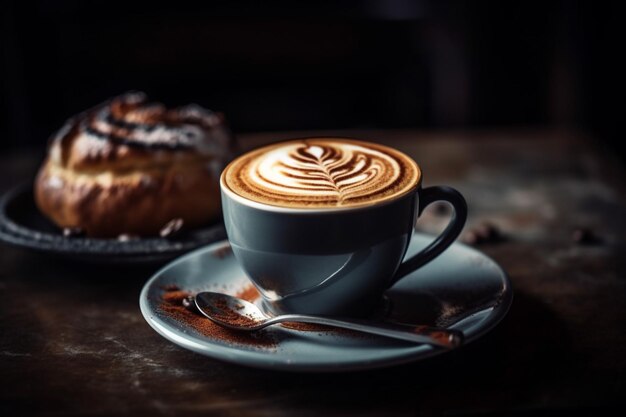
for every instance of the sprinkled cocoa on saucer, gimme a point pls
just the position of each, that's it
(130, 167)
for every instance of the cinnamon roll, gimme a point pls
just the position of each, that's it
(130, 166)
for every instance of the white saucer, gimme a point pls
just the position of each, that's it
(462, 289)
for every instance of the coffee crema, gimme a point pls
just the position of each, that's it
(321, 173)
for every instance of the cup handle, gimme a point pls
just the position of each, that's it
(446, 238)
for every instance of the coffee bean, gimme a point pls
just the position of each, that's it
(483, 233)
(470, 238)
(172, 228)
(488, 231)
(585, 236)
(73, 232)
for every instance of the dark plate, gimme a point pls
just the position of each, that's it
(23, 225)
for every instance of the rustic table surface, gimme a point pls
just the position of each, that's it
(73, 342)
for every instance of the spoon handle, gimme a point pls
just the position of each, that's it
(446, 338)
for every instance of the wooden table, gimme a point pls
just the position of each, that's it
(73, 342)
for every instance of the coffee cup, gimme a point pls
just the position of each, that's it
(321, 225)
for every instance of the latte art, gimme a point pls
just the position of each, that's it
(328, 172)
(321, 173)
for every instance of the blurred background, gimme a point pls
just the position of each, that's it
(284, 65)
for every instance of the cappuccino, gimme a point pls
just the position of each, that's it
(322, 173)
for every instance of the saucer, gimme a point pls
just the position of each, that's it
(23, 225)
(461, 289)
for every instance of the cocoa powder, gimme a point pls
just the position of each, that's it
(170, 287)
(172, 305)
(225, 314)
(248, 293)
(175, 296)
(251, 293)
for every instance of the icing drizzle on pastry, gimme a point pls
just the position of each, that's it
(131, 119)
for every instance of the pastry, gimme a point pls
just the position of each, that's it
(129, 166)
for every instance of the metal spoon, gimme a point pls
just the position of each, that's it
(238, 314)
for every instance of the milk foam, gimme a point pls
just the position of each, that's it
(322, 173)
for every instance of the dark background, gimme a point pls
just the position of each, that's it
(284, 65)
(72, 340)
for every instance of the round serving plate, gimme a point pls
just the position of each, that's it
(461, 289)
(23, 225)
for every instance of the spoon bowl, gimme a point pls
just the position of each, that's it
(232, 312)
(238, 314)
